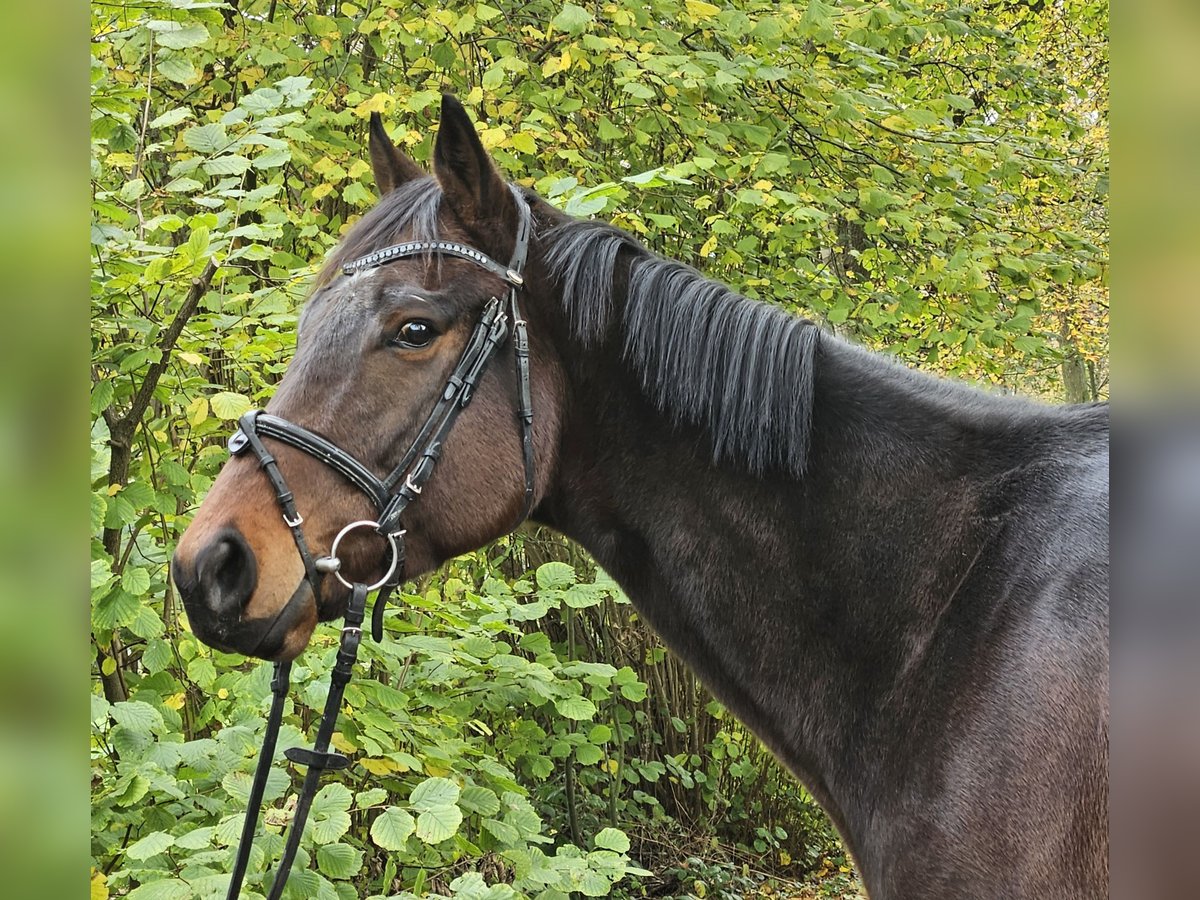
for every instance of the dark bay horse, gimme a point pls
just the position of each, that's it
(899, 583)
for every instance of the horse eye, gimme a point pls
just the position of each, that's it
(414, 334)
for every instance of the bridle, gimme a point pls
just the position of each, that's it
(391, 496)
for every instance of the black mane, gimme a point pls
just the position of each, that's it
(706, 356)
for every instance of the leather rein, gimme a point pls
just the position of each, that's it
(391, 496)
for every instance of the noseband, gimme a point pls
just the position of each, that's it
(391, 496)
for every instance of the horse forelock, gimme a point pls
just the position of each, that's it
(410, 212)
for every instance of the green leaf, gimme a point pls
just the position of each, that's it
(227, 405)
(272, 159)
(177, 68)
(137, 715)
(612, 839)
(150, 845)
(166, 889)
(501, 831)
(188, 36)
(196, 839)
(135, 580)
(230, 164)
(332, 798)
(339, 860)
(329, 828)
(434, 792)
(572, 19)
(117, 609)
(392, 828)
(478, 799)
(555, 575)
(171, 117)
(588, 754)
(438, 823)
(206, 138)
(578, 708)
(369, 797)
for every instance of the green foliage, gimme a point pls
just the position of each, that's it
(929, 178)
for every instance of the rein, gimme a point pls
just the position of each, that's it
(391, 496)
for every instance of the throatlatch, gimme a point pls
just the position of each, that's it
(390, 496)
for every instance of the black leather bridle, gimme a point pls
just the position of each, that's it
(391, 496)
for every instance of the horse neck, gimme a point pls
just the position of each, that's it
(806, 604)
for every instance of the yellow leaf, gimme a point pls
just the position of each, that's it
(377, 103)
(556, 64)
(524, 142)
(108, 666)
(699, 888)
(492, 137)
(895, 122)
(610, 765)
(223, 694)
(701, 10)
(197, 411)
(193, 359)
(378, 766)
(436, 769)
(322, 190)
(99, 886)
(763, 185)
(175, 701)
(359, 167)
(709, 246)
(340, 742)
(785, 858)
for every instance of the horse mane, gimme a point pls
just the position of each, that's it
(740, 369)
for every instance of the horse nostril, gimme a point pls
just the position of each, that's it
(226, 572)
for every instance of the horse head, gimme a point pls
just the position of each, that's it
(382, 339)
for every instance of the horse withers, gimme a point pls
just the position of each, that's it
(897, 582)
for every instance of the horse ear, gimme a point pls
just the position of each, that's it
(391, 167)
(471, 184)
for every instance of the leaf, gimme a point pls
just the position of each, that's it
(183, 37)
(392, 828)
(339, 860)
(150, 845)
(227, 405)
(434, 792)
(700, 10)
(578, 708)
(572, 19)
(612, 839)
(135, 580)
(330, 827)
(137, 715)
(555, 575)
(230, 164)
(171, 117)
(272, 159)
(206, 138)
(478, 799)
(501, 831)
(438, 823)
(588, 754)
(177, 68)
(166, 889)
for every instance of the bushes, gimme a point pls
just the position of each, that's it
(488, 739)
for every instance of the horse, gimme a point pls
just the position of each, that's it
(897, 582)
